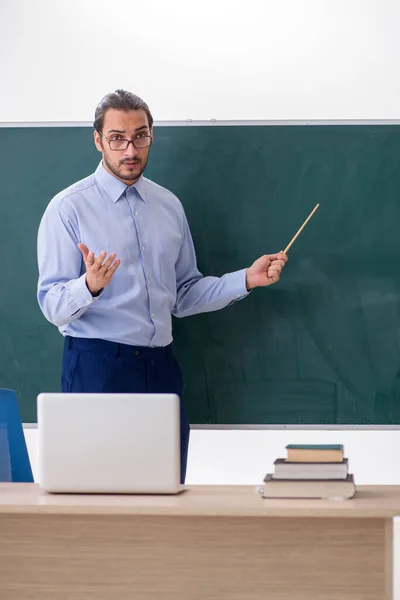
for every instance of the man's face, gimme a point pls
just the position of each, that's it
(127, 165)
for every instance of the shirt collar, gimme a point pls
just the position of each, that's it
(140, 187)
(115, 187)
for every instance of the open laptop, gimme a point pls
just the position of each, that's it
(109, 443)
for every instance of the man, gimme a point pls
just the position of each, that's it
(116, 260)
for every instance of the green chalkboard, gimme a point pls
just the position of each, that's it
(322, 346)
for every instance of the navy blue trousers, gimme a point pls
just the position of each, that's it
(99, 366)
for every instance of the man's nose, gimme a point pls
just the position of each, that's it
(131, 151)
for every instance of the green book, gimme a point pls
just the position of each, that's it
(316, 447)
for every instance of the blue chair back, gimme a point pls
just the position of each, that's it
(14, 458)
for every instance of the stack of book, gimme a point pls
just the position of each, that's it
(310, 471)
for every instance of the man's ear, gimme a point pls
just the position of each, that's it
(97, 141)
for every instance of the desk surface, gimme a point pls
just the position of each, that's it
(230, 501)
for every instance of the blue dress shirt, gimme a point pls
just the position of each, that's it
(145, 225)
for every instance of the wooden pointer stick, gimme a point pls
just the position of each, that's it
(301, 229)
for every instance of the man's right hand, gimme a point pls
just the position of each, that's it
(99, 270)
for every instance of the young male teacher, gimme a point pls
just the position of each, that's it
(116, 260)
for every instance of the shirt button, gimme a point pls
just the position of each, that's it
(87, 301)
(152, 315)
(148, 282)
(143, 248)
(136, 213)
(237, 295)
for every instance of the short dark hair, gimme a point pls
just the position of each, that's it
(120, 100)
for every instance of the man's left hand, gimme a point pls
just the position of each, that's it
(266, 270)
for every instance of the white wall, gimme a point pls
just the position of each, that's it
(243, 457)
(224, 59)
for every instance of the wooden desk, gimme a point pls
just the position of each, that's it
(209, 543)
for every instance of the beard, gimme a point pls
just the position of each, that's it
(124, 172)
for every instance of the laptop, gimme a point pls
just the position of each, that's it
(109, 443)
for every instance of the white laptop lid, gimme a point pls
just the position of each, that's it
(109, 443)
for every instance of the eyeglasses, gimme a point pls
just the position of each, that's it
(143, 140)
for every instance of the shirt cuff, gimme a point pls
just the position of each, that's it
(81, 294)
(236, 284)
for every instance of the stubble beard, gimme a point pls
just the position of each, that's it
(126, 176)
